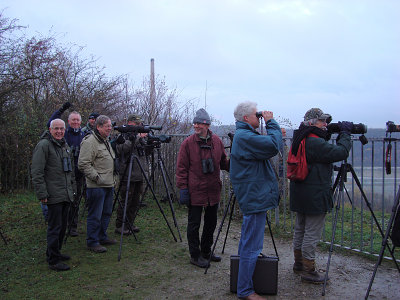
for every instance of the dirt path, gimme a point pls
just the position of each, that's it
(349, 275)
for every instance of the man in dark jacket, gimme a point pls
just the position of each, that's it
(255, 186)
(54, 182)
(311, 198)
(73, 136)
(90, 125)
(200, 159)
(123, 150)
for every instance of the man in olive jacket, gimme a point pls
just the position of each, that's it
(54, 182)
(96, 162)
(311, 198)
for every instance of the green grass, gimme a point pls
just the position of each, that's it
(143, 266)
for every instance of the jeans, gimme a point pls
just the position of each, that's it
(250, 246)
(194, 220)
(99, 202)
(57, 225)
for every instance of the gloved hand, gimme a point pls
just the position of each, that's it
(345, 126)
(184, 196)
(65, 106)
(120, 139)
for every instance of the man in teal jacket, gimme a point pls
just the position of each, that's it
(54, 182)
(311, 198)
(255, 186)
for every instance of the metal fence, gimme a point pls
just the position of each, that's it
(368, 162)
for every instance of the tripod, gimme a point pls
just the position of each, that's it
(339, 188)
(231, 203)
(75, 211)
(129, 169)
(3, 237)
(395, 209)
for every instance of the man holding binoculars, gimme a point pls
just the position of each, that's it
(201, 157)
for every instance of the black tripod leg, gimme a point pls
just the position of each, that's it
(169, 179)
(155, 198)
(339, 183)
(3, 237)
(169, 196)
(219, 231)
(272, 237)
(385, 242)
(372, 212)
(229, 221)
(76, 210)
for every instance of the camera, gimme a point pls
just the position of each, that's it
(356, 129)
(391, 127)
(259, 114)
(136, 128)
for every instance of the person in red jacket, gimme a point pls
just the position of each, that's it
(200, 159)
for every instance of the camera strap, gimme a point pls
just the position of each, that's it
(388, 158)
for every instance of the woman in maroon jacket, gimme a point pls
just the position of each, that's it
(201, 157)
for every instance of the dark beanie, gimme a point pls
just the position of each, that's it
(202, 117)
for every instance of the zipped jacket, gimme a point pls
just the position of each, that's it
(49, 178)
(253, 179)
(313, 195)
(204, 189)
(96, 161)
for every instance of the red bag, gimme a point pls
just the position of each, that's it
(297, 169)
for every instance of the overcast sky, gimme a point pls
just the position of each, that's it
(288, 56)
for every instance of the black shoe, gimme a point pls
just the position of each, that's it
(200, 262)
(64, 257)
(135, 229)
(73, 233)
(59, 267)
(214, 258)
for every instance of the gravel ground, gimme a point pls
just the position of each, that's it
(349, 274)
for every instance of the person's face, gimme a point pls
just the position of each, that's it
(58, 130)
(321, 124)
(252, 119)
(201, 129)
(91, 121)
(74, 121)
(105, 129)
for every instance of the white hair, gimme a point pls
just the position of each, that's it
(58, 120)
(74, 113)
(244, 109)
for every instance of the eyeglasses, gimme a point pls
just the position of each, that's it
(58, 128)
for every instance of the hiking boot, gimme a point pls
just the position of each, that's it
(59, 267)
(143, 205)
(119, 230)
(64, 257)
(199, 261)
(107, 241)
(298, 267)
(97, 249)
(311, 275)
(214, 258)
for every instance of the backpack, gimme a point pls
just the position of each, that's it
(297, 169)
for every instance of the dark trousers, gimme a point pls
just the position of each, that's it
(134, 194)
(56, 227)
(210, 222)
(74, 209)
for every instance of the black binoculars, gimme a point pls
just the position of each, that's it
(67, 166)
(207, 165)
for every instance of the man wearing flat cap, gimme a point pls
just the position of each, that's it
(311, 198)
(200, 160)
(136, 180)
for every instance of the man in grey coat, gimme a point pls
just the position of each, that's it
(54, 182)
